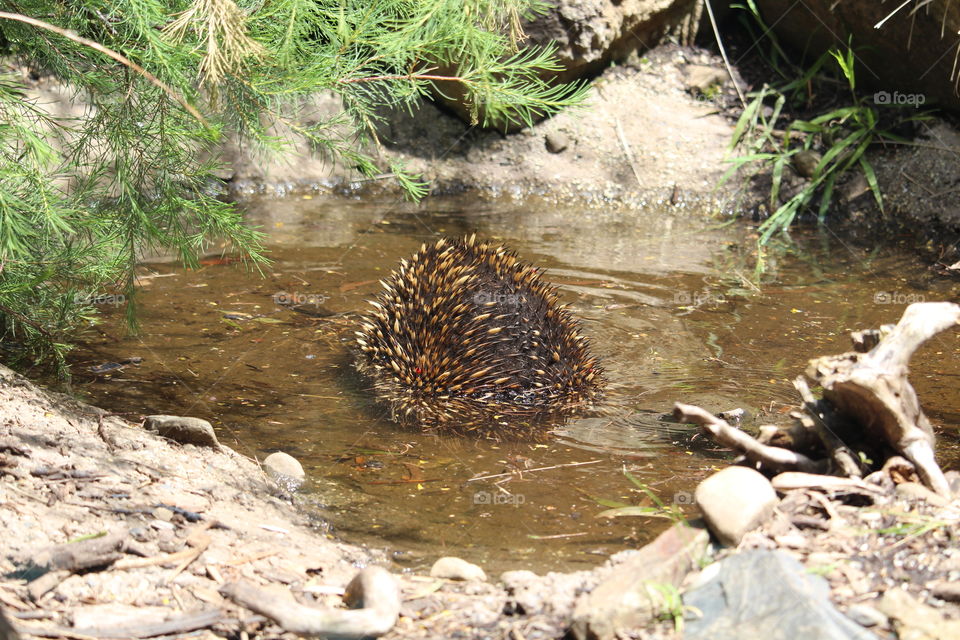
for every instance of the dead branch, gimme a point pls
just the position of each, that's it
(173, 627)
(790, 480)
(87, 554)
(773, 459)
(373, 589)
(872, 388)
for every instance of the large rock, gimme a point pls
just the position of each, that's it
(769, 595)
(589, 35)
(734, 501)
(183, 429)
(632, 595)
(909, 59)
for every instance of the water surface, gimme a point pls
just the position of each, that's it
(665, 295)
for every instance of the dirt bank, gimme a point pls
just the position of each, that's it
(179, 522)
(640, 134)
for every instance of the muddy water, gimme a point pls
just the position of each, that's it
(664, 295)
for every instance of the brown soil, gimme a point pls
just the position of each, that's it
(66, 474)
(641, 133)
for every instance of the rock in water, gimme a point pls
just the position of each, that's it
(284, 469)
(467, 338)
(183, 429)
(735, 500)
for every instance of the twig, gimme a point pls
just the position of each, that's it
(70, 35)
(556, 466)
(773, 458)
(173, 627)
(373, 588)
(723, 53)
(558, 536)
(21, 317)
(627, 151)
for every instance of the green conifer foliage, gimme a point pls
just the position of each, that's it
(166, 80)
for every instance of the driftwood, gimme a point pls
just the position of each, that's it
(83, 555)
(867, 399)
(176, 625)
(373, 590)
(872, 388)
(772, 458)
(790, 480)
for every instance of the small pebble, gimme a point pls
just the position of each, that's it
(555, 142)
(456, 569)
(284, 469)
(866, 616)
(162, 513)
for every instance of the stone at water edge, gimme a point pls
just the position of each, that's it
(456, 569)
(284, 469)
(555, 142)
(631, 596)
(866, 616)
(734, 501)
(766, 594)
(183, 429)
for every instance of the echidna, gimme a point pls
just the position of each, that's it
(467, 338)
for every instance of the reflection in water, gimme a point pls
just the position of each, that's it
(662, 296)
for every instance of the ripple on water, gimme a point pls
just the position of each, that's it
(663, 296)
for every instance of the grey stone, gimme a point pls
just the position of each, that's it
(555, 142)
(769, 595)
(702, 78)
(162, 513)
(284, 469)
(734, 501)
(184, 430)
(866, 616)
(629, 597)
(805, 162)
(456, 569)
